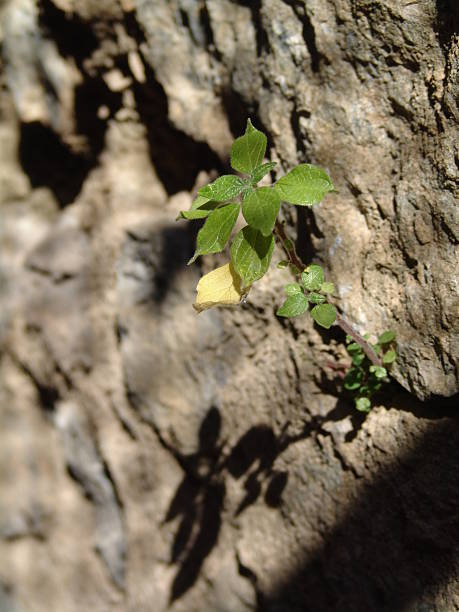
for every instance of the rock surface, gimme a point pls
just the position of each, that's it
(152, 459)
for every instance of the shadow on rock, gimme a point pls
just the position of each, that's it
(152, 258)
(176, 157)
(199, 502)
(396, 546)
(200, 498)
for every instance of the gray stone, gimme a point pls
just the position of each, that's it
(88, 468)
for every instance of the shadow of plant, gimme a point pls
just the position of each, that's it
(255, 453)
(395, 548)
(199, 502)
(200, 497)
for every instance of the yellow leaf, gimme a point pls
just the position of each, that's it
(221, 287)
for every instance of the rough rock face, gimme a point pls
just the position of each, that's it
(151, 459)
(368, 90)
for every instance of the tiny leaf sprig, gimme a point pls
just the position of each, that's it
(363, 378)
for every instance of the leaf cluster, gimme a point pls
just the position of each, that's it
(363, 379)
(312, 290)
(220, 204)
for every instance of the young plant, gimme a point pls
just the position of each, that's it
(363, 379)
(220, 204)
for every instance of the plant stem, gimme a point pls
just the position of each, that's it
(369, 352)
(292, 255)
(295, 260)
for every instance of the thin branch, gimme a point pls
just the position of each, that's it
(369, 352)
(292, 256)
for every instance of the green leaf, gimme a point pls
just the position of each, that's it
(247, 192)
(292, 289)
(363, 404)
(251, 253)
(198, 213)
(386, 337)
(378, 371)
(312, 278)
(283, 264)
(224, 188)
(324, 315)
(293, 306)
(199, 202)
(316, 298)
(248, 151)
(358, 358)
(373, 385)
(305, 185)
(354, 348)
(352, 379)
(261, 171)
(192, 215)
(390, 356)
(199, 209)
(216, 231)
(260, 209)
(327, 288)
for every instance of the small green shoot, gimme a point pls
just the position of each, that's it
(363, 379)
